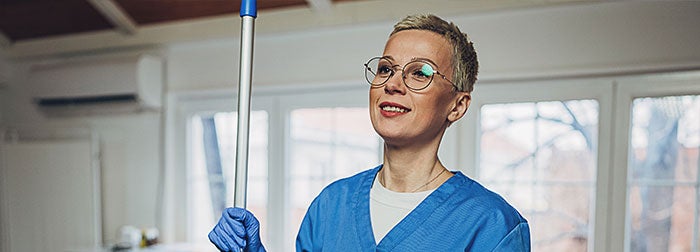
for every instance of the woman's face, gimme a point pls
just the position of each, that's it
(403, 116)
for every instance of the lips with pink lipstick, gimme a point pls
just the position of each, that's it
(390, 109)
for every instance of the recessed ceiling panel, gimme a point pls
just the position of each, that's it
(42, 18)
(156, 11)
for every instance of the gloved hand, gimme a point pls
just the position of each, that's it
(237, 229)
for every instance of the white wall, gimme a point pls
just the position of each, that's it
(130, 153)
(596, 39)
(553, 42)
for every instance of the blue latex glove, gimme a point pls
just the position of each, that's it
(237, 229)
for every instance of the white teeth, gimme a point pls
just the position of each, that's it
(394, 109)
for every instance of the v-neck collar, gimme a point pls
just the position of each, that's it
(362, 214)
(407, 225)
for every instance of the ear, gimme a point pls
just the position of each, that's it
(462, 101)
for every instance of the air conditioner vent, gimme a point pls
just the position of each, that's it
(86, 100)
(98, 85)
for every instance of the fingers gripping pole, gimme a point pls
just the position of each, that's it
(248, 14)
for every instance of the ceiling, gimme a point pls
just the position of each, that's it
(40, 28)
(22, 20)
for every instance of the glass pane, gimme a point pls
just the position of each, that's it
(562, 221)
(661, 218)
(519, 194)
(541, 156)
(508, 157)
(211, 172)
(326, 144)
(665, 138)
(663, 173)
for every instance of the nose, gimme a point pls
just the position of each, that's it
(395, 84)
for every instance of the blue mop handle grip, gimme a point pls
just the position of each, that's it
(249, 8)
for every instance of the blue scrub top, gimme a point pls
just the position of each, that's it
(460, 215)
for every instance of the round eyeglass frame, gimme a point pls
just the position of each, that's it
(369, 72)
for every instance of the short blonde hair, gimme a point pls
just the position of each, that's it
(464, 63)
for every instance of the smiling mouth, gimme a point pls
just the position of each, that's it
(393, 108)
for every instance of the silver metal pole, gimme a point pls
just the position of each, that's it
(244, 94)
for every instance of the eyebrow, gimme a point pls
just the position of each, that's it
(391, 59)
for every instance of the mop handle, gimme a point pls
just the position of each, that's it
(248, 15)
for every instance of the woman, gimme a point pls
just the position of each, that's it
(419, 87)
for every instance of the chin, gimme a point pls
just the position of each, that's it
(396, 140)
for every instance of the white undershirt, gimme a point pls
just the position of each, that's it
(387, 208)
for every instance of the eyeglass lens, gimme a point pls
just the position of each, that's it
(416, 74)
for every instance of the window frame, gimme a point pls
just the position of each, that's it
(184, 106)
(278, 102)
(628, 89)
(338, 97)
(599, 89)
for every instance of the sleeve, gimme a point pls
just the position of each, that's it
(305, 237)
(517, 239)
(304, 241)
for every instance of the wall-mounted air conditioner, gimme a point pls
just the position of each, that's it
(97, 85)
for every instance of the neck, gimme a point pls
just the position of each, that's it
(412, 168)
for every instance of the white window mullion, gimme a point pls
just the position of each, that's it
(694, 240)
(606, 172)
(618, 186)
(276, 176)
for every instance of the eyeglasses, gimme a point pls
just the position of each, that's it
(416, 74)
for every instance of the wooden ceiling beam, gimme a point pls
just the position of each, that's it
(321, 6)
(115, 15)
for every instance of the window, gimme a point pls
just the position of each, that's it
(544, 146)
(541, 156)
(211, 174)
(299, 143)
(663, 174)
(325, 144)
(599, 164)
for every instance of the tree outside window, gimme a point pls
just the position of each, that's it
(541, 156)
